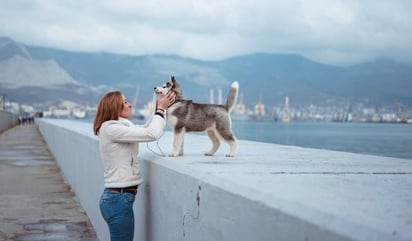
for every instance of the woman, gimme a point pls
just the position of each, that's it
(118, 142)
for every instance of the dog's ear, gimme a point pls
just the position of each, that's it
(172, 78)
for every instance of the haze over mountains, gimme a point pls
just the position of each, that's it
(32, 74)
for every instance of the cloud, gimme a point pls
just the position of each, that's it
(330, 31)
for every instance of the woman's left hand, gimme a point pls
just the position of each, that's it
(167, 100)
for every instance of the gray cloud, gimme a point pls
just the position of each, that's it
(330, 31)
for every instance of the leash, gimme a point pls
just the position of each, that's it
(162, 154)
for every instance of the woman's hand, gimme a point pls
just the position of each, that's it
(163, 102)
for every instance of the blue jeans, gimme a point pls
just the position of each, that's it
(117, 211)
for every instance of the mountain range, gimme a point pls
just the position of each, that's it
(40, 75)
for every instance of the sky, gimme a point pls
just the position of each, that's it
(336, 32)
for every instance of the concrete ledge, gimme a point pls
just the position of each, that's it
(267, 192)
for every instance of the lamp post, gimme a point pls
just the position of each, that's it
(3, 98)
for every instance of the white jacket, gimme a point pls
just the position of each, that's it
(118, 142)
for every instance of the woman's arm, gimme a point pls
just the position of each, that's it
(119, 132)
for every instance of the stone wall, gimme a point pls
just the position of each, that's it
(267, 192)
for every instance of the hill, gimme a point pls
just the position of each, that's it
(32, 74)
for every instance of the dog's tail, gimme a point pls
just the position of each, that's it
(232, 97)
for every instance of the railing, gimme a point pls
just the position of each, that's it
(7, 120)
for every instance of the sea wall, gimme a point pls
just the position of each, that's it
(266, 192)
(7, 120)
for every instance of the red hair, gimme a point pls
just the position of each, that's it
(110, 107)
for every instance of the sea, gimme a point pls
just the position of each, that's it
(381, 139)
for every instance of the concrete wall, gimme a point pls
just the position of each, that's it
(7, 120)
(267, 192)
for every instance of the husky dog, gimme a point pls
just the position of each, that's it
(187, 116)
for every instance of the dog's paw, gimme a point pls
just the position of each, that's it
(173, 155)
(208, 154)
(229, 155)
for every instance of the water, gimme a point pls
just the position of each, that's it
(392, 140)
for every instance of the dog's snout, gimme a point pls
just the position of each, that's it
(154, 88)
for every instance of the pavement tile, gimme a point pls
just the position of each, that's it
(35, 201)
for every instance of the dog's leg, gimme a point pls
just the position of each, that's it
(182, 145)
(215, 142)
(228, 136)
(178, 143)
(232, 144)
(225, 132)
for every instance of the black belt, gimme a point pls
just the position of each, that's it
(132, 190)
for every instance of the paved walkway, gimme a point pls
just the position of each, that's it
(35, 201)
